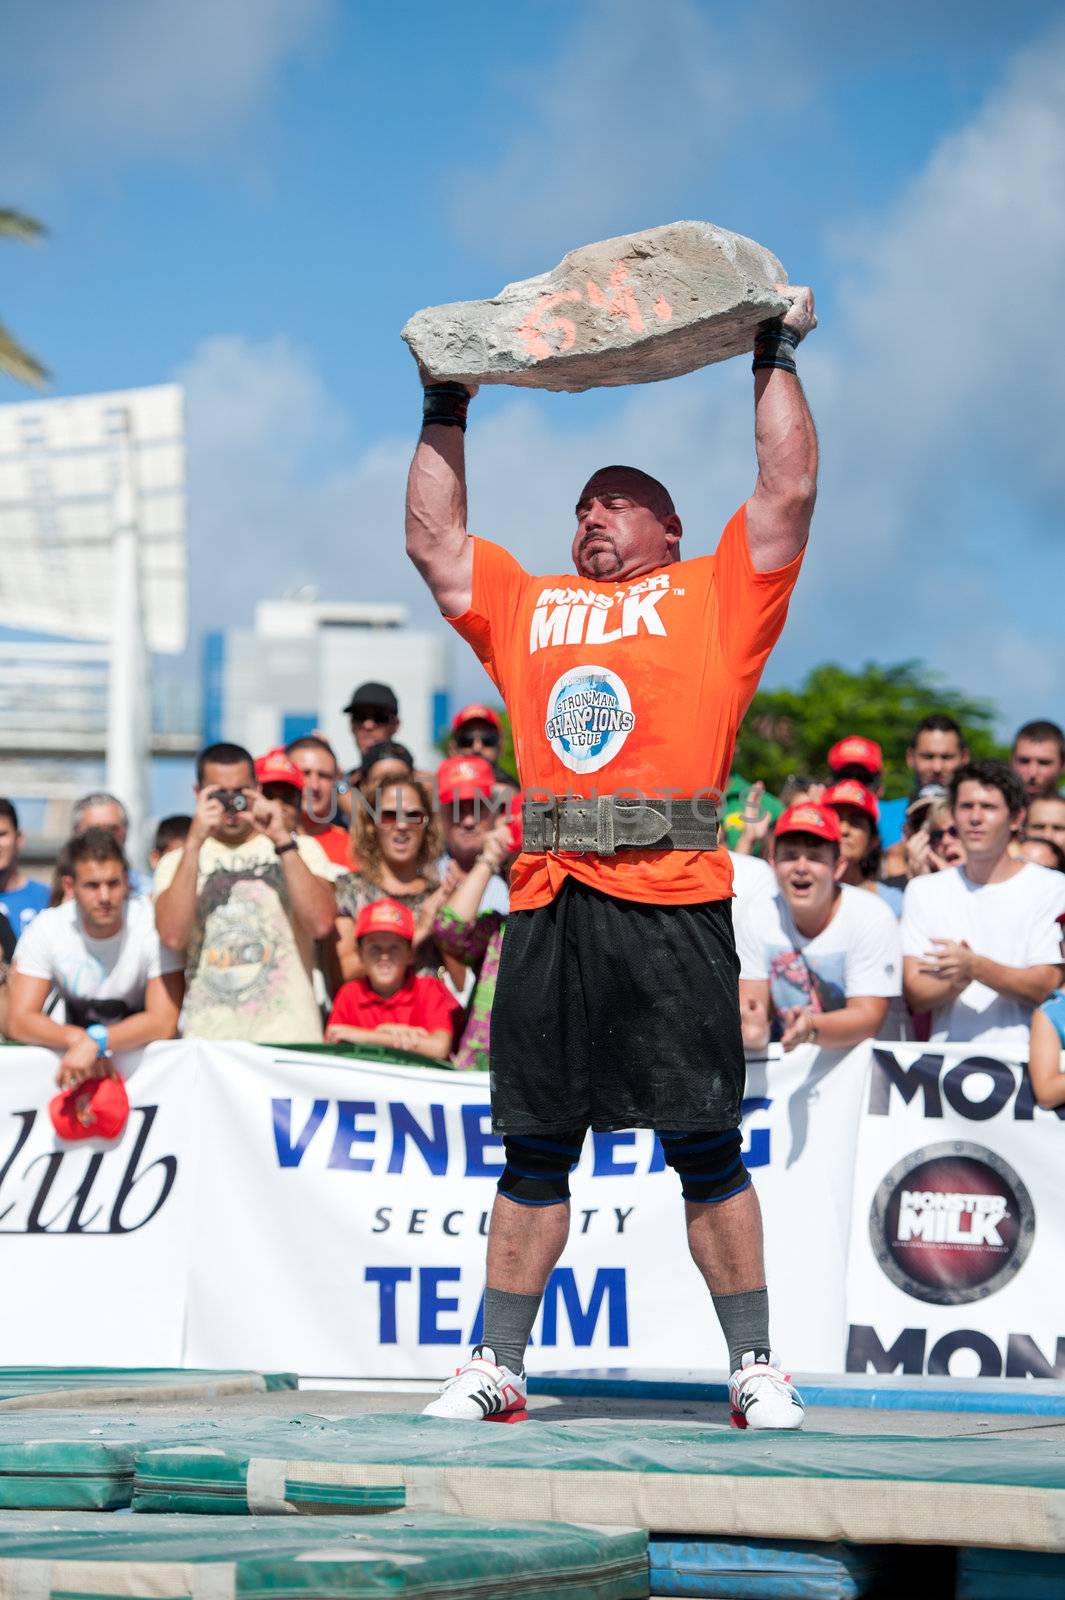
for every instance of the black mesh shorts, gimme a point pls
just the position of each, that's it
(614, 1014)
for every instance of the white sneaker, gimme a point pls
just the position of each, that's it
(482, 1391)
(764, 1397)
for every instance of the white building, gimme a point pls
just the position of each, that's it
(296, 668)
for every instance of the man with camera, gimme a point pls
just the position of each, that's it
(245, 899)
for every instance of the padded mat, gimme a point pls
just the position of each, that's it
(67, 1557)
(671, 1478)
(83, 1461)
(856, 1391)
(27, 1388)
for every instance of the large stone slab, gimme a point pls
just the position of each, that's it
(633, 309)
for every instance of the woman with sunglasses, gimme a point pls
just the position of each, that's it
(935, 845)
(396, 842)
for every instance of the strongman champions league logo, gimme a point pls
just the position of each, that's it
(951, 1223)
(589, 717)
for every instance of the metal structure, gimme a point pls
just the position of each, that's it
(296, 668)
(92, 534)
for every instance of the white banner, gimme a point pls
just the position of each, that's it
(957, 1261)
(95, 1236)
(279, 1209)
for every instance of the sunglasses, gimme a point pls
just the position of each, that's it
(937, 835)
(376, 714)
(467, 741)
(402, 819)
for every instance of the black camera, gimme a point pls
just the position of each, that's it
(232, 799)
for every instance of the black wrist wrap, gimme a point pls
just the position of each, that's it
(774, 346)
(446, 403)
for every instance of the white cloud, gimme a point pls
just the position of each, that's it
(256, 414)
(630, 110)
(937, 391)
(126, 80)
(638, 99)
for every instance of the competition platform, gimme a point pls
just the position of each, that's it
(211, 1485)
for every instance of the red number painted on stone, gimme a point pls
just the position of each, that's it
(533, 329)
(619, 299)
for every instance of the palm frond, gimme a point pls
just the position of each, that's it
(17, 225)
(18, 363)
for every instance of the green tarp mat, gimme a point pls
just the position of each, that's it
(670, 1478)
(68, 1556)
(26, 1388)
(83, 1461)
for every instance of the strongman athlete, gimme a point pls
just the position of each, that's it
(617, 999)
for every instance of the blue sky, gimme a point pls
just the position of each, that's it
(253, 195)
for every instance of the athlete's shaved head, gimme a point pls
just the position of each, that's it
(647, 491)
(627, 525)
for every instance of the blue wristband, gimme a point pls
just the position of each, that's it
(98, 1034)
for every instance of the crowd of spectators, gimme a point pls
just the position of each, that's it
(302, 903)
(963, 941)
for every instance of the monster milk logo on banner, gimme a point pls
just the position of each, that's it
(951, 1223)
(589, 717)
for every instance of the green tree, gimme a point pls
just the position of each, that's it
(15, 361)
(791, 730)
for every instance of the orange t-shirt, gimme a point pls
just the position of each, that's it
(616, 688)
(335, 841)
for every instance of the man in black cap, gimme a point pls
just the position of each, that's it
(373, 713)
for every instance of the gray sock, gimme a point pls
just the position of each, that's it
(508, 1320)
(744, 1320)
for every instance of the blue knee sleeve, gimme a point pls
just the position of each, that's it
(709, 1165)
(537, 1170)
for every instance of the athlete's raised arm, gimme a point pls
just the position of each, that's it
(779, 511)
(437, 540)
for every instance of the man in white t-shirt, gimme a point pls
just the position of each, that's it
(751, 878)
(981, 943)
(246, 898)
(100, 951)
(819, 959)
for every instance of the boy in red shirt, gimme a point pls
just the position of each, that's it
(391, 1005)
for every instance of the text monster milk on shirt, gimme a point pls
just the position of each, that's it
(615, 688)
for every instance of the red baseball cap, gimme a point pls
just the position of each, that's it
(856, 751)
(806, 817)
(852, 793)
(464, 777)
(95, 1109)
(385, 916)
(276, 767)
(474, 713)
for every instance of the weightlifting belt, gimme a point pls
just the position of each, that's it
(608, 824)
